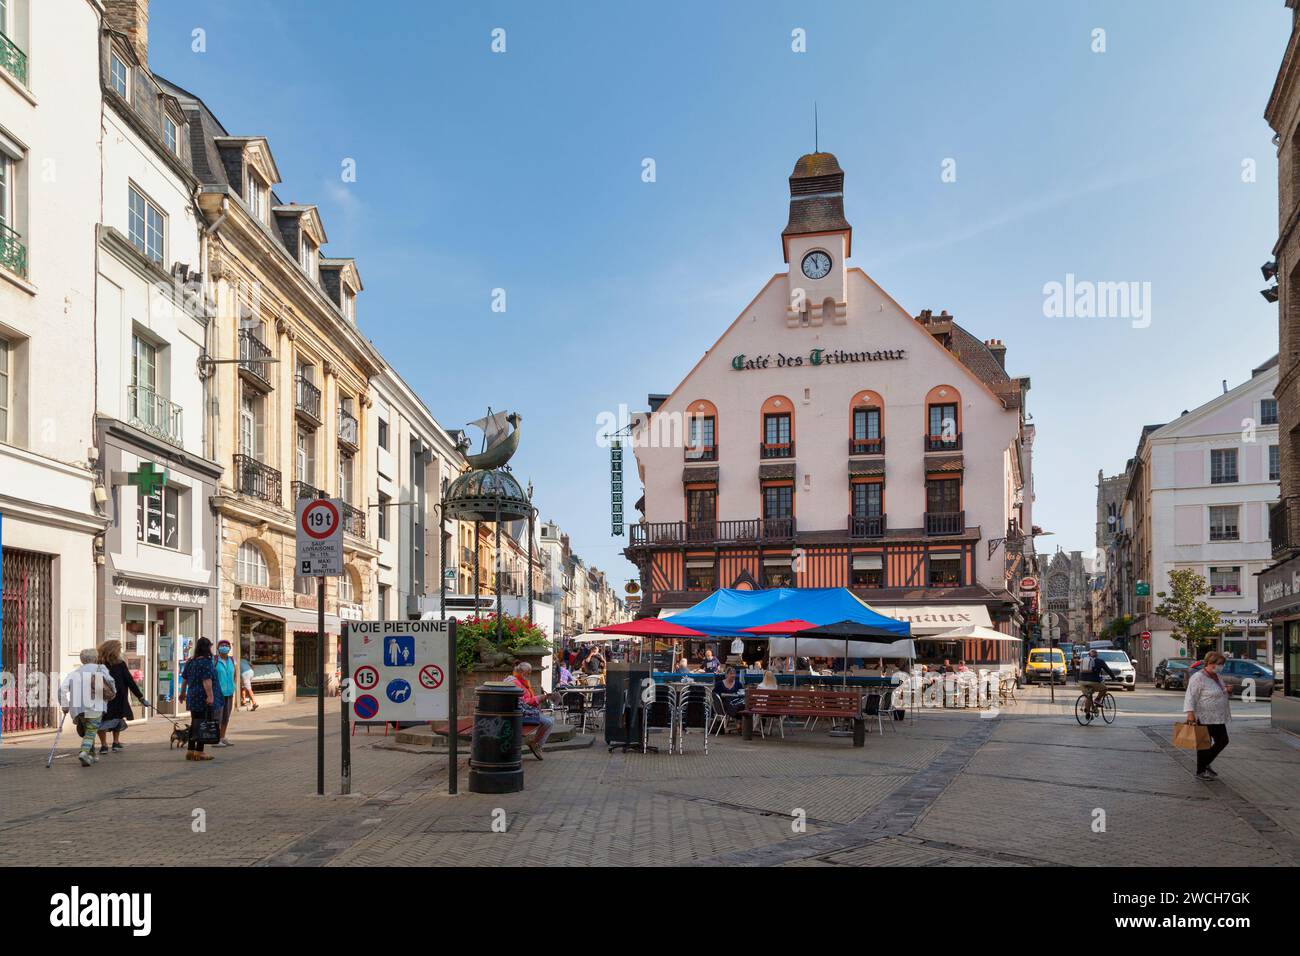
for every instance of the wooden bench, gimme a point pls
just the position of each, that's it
(804, 703)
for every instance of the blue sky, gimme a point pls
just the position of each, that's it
(522, 171)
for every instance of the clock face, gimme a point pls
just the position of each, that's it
(816, 265)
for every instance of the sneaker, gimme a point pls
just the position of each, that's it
(85, 758)
(1210, 771)
(226, 743)
(103, 749)
(1205, 775)
(117, 748)
(221, 743)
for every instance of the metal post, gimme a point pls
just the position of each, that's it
(476, 568)
(345, 786)
(453, 736)
(442, 563)
(496, 576)
(320, 686)
(531, 515)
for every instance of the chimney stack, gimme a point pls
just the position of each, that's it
(999, 351)
(130, 17)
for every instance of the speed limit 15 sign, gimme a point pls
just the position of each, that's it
(320, 537)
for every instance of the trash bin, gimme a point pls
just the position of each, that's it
(495, 765)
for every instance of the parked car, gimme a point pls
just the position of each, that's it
(1237, 670)
(1045, 664)
(1172, 673)
(1101, 645)
(1118, 661)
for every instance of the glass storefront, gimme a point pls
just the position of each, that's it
(1293, 659)
(261, 642)
(156, 640)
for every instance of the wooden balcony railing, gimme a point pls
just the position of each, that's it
(945, 522)
(776, 450)
(866, 526)
(669, 533)
(866, 446)
(701, 453)
(943, 443)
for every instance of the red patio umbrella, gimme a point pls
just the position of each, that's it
(784, 629)
(648, 627)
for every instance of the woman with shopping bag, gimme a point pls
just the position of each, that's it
(1208, 713)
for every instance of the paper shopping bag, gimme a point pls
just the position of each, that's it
(1192, 736)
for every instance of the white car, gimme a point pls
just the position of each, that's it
(1118, 662)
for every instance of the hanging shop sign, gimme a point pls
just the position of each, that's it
(748, 363)
(616, 488)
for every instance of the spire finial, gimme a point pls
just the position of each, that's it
(816, 142)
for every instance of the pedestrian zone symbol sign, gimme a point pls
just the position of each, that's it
(399, 666)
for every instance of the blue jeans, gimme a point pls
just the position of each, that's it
(545, 723)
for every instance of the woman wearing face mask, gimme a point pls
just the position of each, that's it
(226, 676)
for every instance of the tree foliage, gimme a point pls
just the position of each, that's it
(1194, 620)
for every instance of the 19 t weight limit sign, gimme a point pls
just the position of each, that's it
(320, 537)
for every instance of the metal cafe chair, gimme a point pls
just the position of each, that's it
(694, 710)
(720, 718)
(576, 711)
(872, 707)
(661, 713)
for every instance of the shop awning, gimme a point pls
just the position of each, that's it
(931, 619)
(294, 618)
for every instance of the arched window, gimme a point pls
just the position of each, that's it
(251, 567)
(701, 431)
(867, 424)
(777, 440)
(943, 419)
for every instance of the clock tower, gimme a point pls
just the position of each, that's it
(815, 243)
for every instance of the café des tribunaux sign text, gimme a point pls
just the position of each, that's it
(744, 363)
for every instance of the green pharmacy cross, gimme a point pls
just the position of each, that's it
(146, 479)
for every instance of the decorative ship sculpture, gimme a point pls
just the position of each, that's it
(500, 439)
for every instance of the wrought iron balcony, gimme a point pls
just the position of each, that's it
(13, 251)
(302, 489)
(671, 533)
(866, 446)
(13, 59)
(1281, 529)
(252, 477)
(943, 443)
(866, 526)
(701, 453)
(254, 357)
(945, 522)
(306, 400)
(347, 429)
(354, 520)
(776, 449)
(156, 415)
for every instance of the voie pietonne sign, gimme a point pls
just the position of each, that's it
(319, 523)
(399, 670)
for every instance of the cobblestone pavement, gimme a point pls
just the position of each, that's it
(1027, 788)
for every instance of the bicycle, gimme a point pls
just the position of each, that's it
(1086, 710)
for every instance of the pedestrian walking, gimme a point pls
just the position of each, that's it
(119, 710)
(84, 695)
(246, 683)
(225, 665)
(199, 688)
(1207, 703)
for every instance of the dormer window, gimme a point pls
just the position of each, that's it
(119, 75)
(171, 136)
(255, 197)
(307, 256)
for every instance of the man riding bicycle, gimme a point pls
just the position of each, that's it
(1091, 669)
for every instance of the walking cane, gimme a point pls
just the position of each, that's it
(57, 734)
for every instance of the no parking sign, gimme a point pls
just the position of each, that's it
(399, 669)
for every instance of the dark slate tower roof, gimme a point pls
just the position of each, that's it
(816, 197)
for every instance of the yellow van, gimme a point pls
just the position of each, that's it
(1045, 664)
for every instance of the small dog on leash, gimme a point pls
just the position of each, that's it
(180, 736)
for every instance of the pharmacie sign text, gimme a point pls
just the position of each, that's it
(745, 363)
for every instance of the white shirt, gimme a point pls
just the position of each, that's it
(81, 694)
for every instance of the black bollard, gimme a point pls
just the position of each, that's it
(495, 764)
